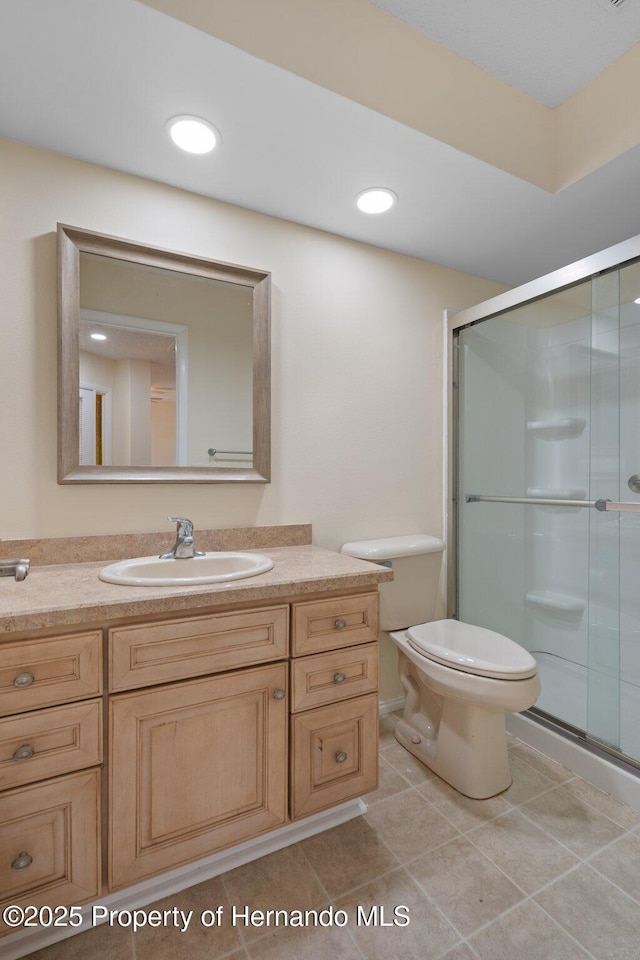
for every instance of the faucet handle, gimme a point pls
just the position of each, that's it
(185, 526)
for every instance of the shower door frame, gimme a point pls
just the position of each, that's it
(612, 258)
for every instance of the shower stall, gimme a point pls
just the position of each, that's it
(546, 487)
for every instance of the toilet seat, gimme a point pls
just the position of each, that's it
(471, 649)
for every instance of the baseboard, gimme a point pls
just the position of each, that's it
(142, 894)
(390, 706)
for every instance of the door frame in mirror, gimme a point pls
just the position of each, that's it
(72, 241)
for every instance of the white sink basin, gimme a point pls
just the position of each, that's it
(211, 568)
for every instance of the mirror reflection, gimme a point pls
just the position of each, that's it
(166, 367)
(163, 365)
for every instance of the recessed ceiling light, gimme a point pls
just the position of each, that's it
(376, 200)
(193, 134)
(637, 300)
(98, 336)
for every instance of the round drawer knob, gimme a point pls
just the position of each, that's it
(341, 756)
(22, 861)
(279, 694)
(341, 624)
(23, 680)
(23, 752)
(339, 677)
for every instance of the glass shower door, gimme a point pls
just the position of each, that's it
(603, 663)
(628, 522)
(524, 412)
(549, 423)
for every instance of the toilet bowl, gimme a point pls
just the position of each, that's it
(459, 679)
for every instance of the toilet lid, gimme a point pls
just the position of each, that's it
(472, 649)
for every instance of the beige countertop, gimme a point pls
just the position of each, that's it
(71, 593)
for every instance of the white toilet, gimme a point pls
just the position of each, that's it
(459, 679)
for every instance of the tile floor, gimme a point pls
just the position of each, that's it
(549, 870)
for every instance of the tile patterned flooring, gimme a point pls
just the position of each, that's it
(549, 870)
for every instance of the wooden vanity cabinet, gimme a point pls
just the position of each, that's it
(50, 752)
(334, 702)
(217, 732)
(201, 764)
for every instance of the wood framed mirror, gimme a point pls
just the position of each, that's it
(163, 365)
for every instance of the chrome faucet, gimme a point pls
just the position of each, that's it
(183, 548)
(14, 568)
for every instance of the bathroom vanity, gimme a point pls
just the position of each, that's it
(142, 729)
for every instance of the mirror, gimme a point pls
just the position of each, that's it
(164, 366)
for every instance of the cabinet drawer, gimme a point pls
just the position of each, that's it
(177, 649)
(333, 676)
(41, 673)
(327, 624)
(47, 743)
(49, 852)
(334, 752)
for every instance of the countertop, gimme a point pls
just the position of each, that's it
(71, 593)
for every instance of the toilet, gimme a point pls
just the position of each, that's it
(459, 680)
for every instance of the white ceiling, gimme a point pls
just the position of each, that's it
(546, 48)
(98, 79)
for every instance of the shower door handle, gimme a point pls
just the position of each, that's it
(603, 505)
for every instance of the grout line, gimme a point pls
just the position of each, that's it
(515, 883)
(626, 893)
(627, 834)
(529, 899)
(561, 843)
(564, 929)
(330, 900)
(593, 807)
(437, 908)
(462, 943)
(227, 893)
(583, 858)
(231, 953)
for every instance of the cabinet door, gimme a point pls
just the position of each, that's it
(49, 846)
(334, 754)
(195, 766)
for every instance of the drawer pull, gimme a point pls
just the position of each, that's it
(22, 861)
(341, 756)
(279, 694)
(23, 752)
(24, 680)
(339, 677)
(341, 624)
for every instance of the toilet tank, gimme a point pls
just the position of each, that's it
(416, 561)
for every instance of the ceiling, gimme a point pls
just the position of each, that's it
(546, 48)
(98, 79)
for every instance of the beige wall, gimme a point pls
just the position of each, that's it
(356, 364)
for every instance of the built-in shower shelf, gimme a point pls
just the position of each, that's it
(560, 604)
(557, 493)
(566, 429)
